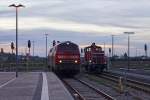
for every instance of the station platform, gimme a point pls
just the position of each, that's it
(23, 87)
(6, 77)
(32, 86)
(57, 90)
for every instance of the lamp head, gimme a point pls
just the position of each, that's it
(20, 5)
(13, 5)
(129, 33)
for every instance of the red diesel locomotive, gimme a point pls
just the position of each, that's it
(64, 58)
(94, 58)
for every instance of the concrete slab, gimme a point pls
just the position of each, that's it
(33, 86)
(57, 91)
(26, 87)
(5, 77)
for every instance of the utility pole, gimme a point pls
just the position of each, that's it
(128, 33)
(125, 74)
(104, 48)
(112, 46)
(46, 51)
(136, 53)
(16, 7)
(33, 48)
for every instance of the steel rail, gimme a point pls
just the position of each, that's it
(131, 83)
(108, 97)
(80, 96)
(98, 91)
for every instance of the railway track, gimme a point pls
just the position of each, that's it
(145, 87)
(86, 91)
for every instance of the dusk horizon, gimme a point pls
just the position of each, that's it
(82, 22)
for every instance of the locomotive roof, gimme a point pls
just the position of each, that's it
(59, 44)
(93, 45)
(65, 42)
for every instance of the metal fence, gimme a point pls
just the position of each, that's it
(10, 67)
(133, 64)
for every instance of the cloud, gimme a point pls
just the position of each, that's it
(35, 23)
(80, 21)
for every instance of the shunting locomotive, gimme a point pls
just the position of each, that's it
(94, 58)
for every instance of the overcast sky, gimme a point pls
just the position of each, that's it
(80, 21)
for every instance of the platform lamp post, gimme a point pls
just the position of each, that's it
(125, 76)
(17, 7)
(46, 51)
(33, 48)
(104, 48)
(129, 33)
(112, 48)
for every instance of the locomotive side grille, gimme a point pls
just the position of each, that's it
(67, 61)
(68, 56)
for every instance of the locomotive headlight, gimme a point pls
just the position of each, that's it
(60, 61)
(90, 61)
(76, 61)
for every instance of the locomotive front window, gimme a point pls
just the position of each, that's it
(88, 49)
(66, 47)
(97, 49)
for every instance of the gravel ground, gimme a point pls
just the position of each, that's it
(139, 77)
(136, 71)
(108, 87)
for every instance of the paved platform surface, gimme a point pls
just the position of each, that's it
(57, 90)
(32, 86)
(6, 76)
(22, 88)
